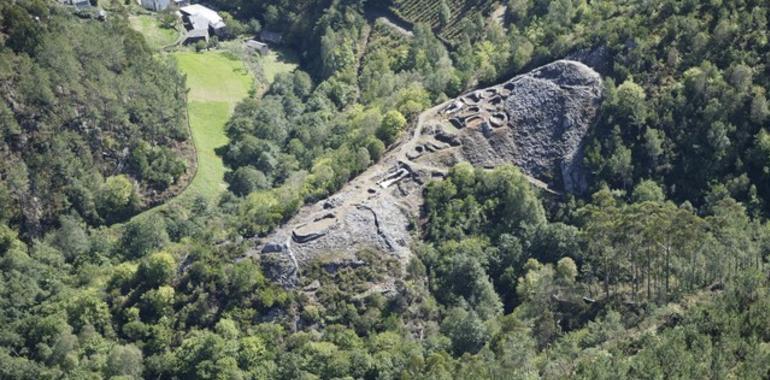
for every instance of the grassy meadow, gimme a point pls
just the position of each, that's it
(216, 84)
(155, 36)
(276, 62)
(216, 80)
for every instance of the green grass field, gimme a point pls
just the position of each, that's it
(216, 84)
(155, 36)
(277, 62)
(208, 120)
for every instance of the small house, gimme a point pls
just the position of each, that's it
(81, 4)
(271, 37)
(256, 46)
(156, 5)
(197, 17)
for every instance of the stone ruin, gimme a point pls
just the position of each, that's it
(536, 121)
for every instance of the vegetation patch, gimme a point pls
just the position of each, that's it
(349, 290)
(156, 35)
(216, 83)
(91, 121)
(276, 62)
(206, 121)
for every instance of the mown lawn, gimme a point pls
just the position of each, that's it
(155, 36)
(216, 84)
(213, 76)
(208, 120)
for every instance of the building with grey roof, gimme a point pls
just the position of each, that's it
(255, 46)
(156, 5)
(198, 17)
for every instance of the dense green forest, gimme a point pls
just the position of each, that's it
(91, 124)
(659, 271)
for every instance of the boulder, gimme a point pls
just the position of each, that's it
(272, 248)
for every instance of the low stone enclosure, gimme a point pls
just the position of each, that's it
(536, 121)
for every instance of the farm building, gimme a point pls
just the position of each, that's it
(201, 22)
(197, 23)
(155, 5)
(79, 4)
(271, 37)
(255, 46)
(196, 16)
(159, 5)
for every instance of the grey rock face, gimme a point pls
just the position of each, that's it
(536, 120)
(547, 113)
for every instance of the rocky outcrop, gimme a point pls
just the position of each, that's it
(536, 120)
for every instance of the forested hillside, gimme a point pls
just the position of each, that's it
(91, 123)
(659, 270)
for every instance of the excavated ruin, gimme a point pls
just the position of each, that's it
(535, 120)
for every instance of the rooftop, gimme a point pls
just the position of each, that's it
(210, 15)
(198, 22)
(255, 44)
(81, 3)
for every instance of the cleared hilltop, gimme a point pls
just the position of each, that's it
(536, 120)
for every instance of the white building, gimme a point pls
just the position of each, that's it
(160, 5)
(196, 13)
